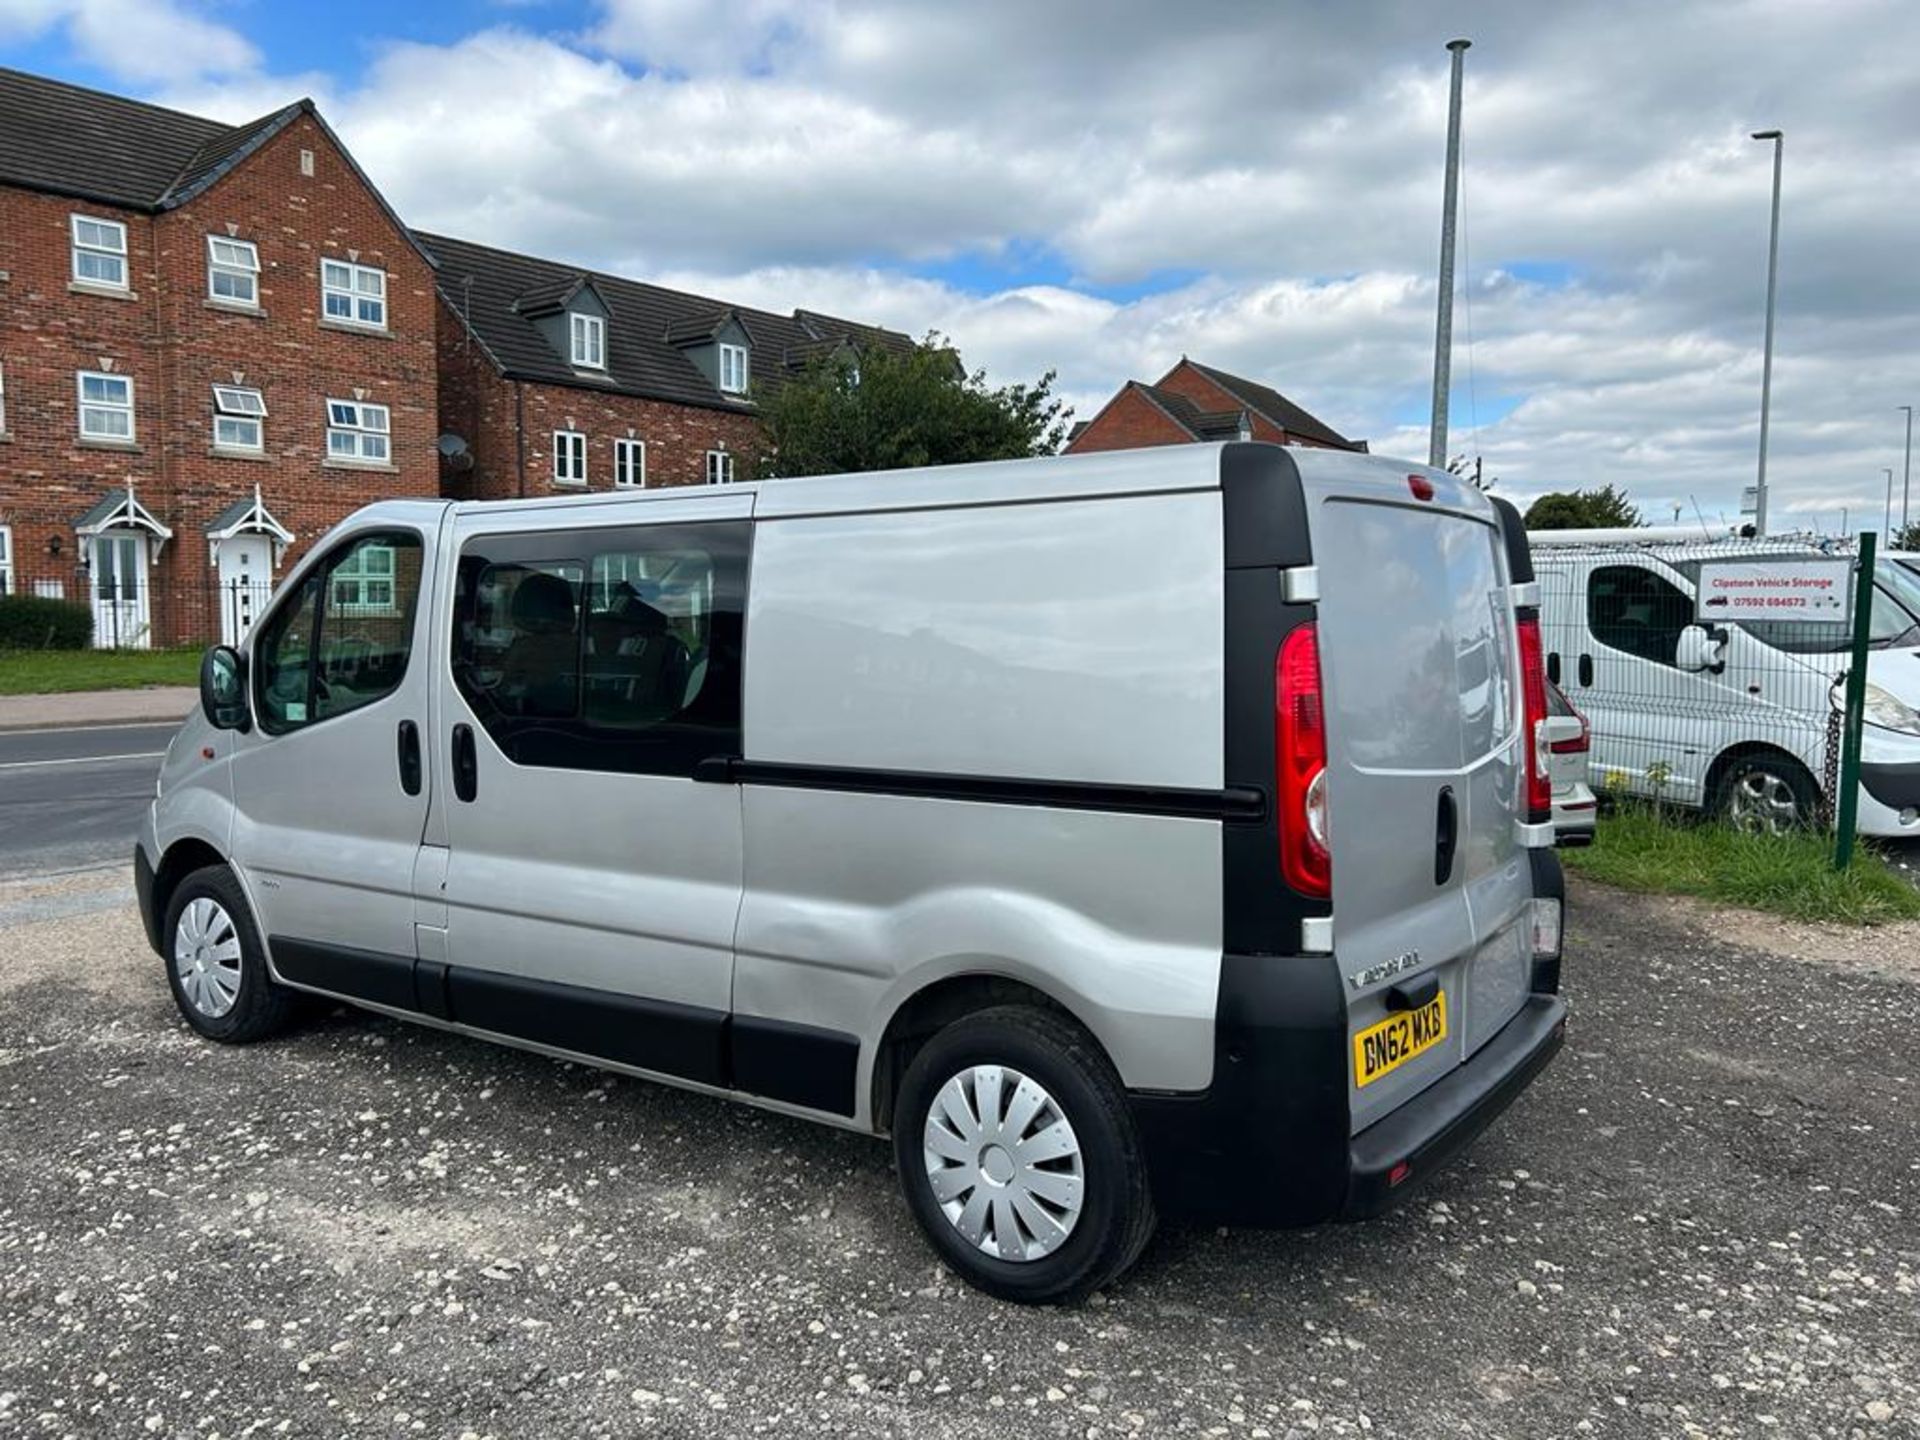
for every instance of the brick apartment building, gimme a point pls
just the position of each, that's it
(1192, 403)
(215, 341)
(556, 379)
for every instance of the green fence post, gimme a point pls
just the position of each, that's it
(1848, 808)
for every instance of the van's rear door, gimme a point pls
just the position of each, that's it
(1419, 663)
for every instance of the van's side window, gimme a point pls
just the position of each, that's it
(343, 639)
(605, 649)
(1632, 609)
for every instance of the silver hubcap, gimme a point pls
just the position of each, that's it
(206, 957)
(1764, 802)
(1004, 1163)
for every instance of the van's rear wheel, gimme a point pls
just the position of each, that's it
(1019, 1157)
(1767, 794)
(216, 967)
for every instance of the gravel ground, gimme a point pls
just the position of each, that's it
(1700, 1221)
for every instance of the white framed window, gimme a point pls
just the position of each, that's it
(363, 581)
(357, 432)
(233, 271)
(239, 416)
(6, 560)
(733, 369)
(630, 463)
(589, 334)
(569, 457)
(99, 252)
(106, 405)
(353, 294)
(719, 467)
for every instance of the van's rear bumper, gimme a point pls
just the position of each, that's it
(1444, 1117)
(1268, 1144)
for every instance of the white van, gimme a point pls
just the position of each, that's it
(1154, 832)
(1737, 718)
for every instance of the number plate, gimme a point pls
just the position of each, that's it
(1381, 1049)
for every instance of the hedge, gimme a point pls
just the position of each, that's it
(30, 622)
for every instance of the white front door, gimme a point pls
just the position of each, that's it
(246, 580)
(121, 617)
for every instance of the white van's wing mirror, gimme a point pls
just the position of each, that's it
(1701, 649)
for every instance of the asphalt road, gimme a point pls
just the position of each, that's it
(71, 798)
(1700, 1221)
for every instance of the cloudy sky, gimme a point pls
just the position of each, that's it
(1098, 188)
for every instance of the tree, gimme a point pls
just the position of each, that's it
(1604, 509)
(875, 408)
(1907, 538)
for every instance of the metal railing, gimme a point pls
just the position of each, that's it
(149, 617)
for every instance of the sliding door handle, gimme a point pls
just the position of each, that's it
(466, 764)
(409, 745)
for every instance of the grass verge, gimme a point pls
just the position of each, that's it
(54, 672)
(1792, 875)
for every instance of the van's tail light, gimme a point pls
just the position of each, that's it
(1300, 763)
(1533, 680)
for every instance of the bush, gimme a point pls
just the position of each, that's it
(30, 622)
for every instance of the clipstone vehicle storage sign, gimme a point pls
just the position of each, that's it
(1784, 589)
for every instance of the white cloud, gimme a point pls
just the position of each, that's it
(143, 41)
(1284, 160)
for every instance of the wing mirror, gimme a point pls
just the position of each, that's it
(1700, 648)
(223, 689)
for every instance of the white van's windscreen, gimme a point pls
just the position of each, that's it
(1428, 685)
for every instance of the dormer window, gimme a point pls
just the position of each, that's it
(589, 334)
(733, 369)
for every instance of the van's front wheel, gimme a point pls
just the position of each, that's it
(1019, 1157)
(216, 967)
(1768, 794)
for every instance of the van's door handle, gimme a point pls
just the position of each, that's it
(1446, 835)
(409, 757)
(466, 766)
(1553, 666)
(1586, 670)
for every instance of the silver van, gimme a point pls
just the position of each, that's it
(1138, 834)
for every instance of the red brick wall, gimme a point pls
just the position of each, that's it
(176, 347)
(482, 407)
(1129, 421)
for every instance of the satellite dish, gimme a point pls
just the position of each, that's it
(454, 453)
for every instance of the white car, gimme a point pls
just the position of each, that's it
(1568, 741)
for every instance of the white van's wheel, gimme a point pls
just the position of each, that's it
(1018, 1156)
(1767, 795)
(215, 966)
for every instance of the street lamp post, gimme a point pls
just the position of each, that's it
(1906, 471)
(1886, 525)
(1443, 325)
(1766, 363)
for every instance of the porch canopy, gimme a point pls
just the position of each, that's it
(247, 517)
(122, 510)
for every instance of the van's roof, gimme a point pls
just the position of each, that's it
(1680, 552)
(1158, 469)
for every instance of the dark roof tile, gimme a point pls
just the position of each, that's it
(649, 324)
(99, 147)
(1275, 406)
